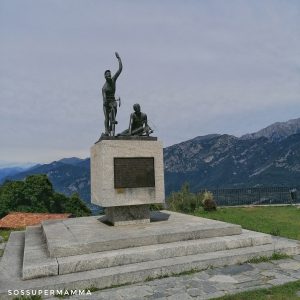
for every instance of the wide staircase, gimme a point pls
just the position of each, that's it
(85, 252)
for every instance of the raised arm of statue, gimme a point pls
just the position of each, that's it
(120, 67)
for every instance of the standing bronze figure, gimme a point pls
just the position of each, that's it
(109, 101)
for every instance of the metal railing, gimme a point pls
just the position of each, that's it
(255, 196)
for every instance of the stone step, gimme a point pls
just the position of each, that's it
(90, 234)
(37, 262)
(107, 259)
(103, 278)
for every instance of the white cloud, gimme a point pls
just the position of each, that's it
(196, 67)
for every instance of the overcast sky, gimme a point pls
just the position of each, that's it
(196, 67)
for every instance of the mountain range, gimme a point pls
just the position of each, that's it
(268, 157)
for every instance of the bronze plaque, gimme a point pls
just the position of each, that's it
(134, 172)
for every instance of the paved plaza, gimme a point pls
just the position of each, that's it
(207, 284)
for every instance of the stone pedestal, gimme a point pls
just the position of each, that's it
(127, 175)
(126, 215)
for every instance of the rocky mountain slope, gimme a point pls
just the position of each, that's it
(269, 157)
(227, 161)
(276, 131)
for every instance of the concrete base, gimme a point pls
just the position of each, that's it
(170, 244)
(11, 267)
(126, 215)
(91, 234)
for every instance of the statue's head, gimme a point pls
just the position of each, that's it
(107, 75)
(137, 108)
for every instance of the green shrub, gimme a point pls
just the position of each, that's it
(208, 201)
(184, 200)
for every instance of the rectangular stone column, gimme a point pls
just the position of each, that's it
(127, 175)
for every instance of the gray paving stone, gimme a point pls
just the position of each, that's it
(194, 283)
(242, 278)
(181, 296)
(264, 266)
(157, 295)
(283, 261)
(214, 295)
(136, 291)
(202, 275)
(236, 269)
(162, 281)
(209, 288)
(271, 273)
(194, 292)
(107, 296)
(280, 281)
(166, 286)
(176, 290)
(292, 265)
(296, 275)
(252, 283)
(251, 288)
(252, 273)
(223, 278)
(222, 286)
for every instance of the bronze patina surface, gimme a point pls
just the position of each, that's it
(134, 172)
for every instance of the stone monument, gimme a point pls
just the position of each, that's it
(127, 176)
(127, 173)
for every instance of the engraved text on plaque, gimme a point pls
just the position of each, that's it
(134, 172)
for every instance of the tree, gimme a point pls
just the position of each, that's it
(36, 194)
(76, 206)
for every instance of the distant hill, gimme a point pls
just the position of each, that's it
(74, 161)
(4, 172)
(10, 169)
(67, 176)
(227, 161)
(276, 131)
(269, 157)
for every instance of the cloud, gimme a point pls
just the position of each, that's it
(196, 67)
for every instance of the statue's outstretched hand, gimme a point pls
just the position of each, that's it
(117, 55)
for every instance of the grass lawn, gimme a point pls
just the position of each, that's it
(276, 220)
(283, 292)
(5, 234)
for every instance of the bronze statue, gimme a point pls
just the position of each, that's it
(138, 123)
(109, 101)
